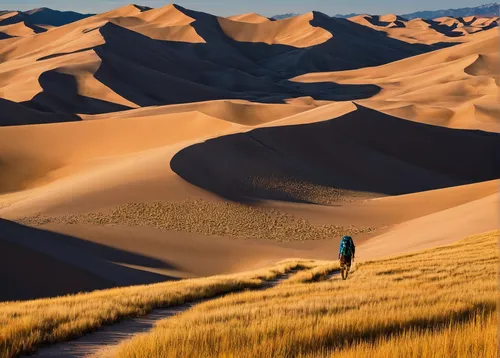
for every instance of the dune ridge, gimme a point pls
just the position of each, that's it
(428, 31)
(185, 50)
(455, 87)
(123, 133)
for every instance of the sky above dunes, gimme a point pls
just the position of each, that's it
(264, 7)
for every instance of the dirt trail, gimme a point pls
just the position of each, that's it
(103, 342)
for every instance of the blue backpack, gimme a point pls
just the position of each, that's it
(345, 247)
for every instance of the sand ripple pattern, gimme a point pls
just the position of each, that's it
(207, 218)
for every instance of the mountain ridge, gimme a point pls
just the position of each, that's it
(491, 9)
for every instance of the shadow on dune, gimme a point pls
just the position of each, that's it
(444, 29)
(377, 21)
(14, 114)
(55, 55)
(4, 36)
(38, 263)
(365, 151)
(160, 72)
(163, 72)
(60, 95)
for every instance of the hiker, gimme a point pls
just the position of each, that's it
(346, 251)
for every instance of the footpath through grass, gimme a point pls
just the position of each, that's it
(437, 303)
(25, 325)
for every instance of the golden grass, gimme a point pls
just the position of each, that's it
(436, 303)
(318, 272)
(26, 325)
(207, 218)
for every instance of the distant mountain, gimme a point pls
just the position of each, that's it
(284, 16)
(346, 16)
(42, 16)
(292, 14)
(492, 9)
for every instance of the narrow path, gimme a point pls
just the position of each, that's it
(102, 342)
(332, 274)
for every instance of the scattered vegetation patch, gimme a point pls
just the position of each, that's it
(304, 191)
(208, 218)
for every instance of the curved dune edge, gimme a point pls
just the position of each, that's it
(296, 31)
(446, 88)
(111, 159)
(428, 31)
(136, 144)
(250, 18)
(162, 253)
(437, 229)
(293, 163)
(77, 68)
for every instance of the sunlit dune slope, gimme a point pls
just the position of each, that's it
(27, 23)
(122, 136)
(428, 31)
(296, 31)
(238, 111)
(455, 87)
(18, 30)
(436, 229)
(126, 156)
(250, 18)
(40, 150)
(78, 68)
(167, 23)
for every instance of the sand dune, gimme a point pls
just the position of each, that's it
(167, 23)
(231, 60)
(132, 150)
(335, 158)
(252, 18)
(444, 88)
(122, 135)
(28, 23)
(436, 229)
(426, 31)
(296, 31)
(62, 145)
(237, 111)
(19, 29)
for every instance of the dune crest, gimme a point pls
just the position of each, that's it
(134, 142)
(251, 17)
(442, 88)
(296, 31)
(428, 31)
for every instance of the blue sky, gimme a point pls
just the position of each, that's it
(264, 7)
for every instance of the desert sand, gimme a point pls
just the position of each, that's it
(444, 30)
(142, 145)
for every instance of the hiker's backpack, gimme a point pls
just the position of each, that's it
(345, 247)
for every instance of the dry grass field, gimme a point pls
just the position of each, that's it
(24, 325)
(437, 303)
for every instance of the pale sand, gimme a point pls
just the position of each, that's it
(296, 31)
(181, 98)
(440, 30)
(456, 87)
